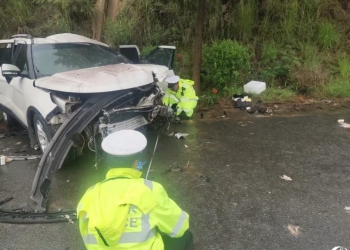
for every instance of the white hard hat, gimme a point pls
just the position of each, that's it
(124, 143)
(172, 79)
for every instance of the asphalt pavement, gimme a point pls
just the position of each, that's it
(230, 185)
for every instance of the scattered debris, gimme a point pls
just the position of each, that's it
(68, 218)
(20, 151)
(175, 168)
(181, 135)
(339, 248)
(347, 208)
(2, 160)
(67, 181)
(204, 143)
(235, 97)
(344, 106)
(6, 200)
(2, 136)
(295, 107)
(225, 114)
(140, 165)
(171, 134)
(294, 230)
(285, 177)
(239, 103)
(343, 124)
(326, 101)
(18, 143)
(207, 178)
(186, 146)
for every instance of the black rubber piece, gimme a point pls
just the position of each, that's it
(36, 218)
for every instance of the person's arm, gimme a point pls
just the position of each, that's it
(169, 217)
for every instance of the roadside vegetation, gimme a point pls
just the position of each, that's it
(298, 47)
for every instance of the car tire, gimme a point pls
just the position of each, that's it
(42, 132)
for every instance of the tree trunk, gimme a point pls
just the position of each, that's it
(99, 19)
(198, 45)
(114, 8)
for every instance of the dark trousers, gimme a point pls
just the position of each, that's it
(183, 243)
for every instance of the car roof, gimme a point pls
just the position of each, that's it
(57, 38)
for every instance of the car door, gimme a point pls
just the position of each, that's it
(162, 55)
(6, 100)
(22, 85)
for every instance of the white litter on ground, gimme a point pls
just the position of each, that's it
(285, 177)
(343, 124)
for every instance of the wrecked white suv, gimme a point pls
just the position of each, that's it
(73, 91)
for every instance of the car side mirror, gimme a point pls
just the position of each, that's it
(9, 70)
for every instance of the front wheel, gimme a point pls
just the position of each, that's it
(42, 132)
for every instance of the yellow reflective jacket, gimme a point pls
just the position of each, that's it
(123, 211)
(185, 97)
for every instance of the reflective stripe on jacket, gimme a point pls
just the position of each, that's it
(185, 97)
(123, 212)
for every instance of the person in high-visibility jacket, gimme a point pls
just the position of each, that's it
(180, 95)
(126, 211)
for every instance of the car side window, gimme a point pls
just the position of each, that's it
(21, 57)
(5, 53)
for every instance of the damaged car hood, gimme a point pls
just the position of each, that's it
(102, 79)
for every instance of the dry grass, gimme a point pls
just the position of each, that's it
(308, 78)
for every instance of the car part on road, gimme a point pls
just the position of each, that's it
(56, 152)
(23, 217)
(23, 157)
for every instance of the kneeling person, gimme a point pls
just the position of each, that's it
(180, 95)
(126, 211)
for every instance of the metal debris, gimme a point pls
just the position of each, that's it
(24, 158)
(285, 177)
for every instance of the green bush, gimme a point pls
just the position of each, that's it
(227, 63)
(344, 66)
(276, 64)
(118, 32)
(276, 95)
(338, 88)
(328, 36)
(146, 50)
